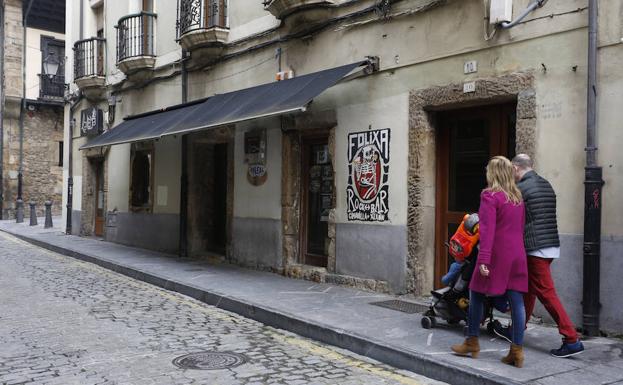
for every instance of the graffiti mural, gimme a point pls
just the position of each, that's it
(367, 192)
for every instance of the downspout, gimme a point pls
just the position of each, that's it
(2, 109)
(593, 184)
(183, 241)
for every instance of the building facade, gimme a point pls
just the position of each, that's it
(171, 150)
(32, 104)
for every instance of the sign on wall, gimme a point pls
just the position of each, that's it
(91, 121)
(367, 192)
(255, 156)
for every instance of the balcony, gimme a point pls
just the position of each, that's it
(89, 73)
(51, 88)
(282, 8)
(135, 42)
(202, 24)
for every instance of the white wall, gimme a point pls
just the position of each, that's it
(34, 59)
(258, 201)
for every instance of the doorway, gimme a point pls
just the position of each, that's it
(99, 198)
(466, 140)
(316, 200)
(208, 198)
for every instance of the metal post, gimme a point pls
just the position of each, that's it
(70, 178)
(19, 212)
(48, 215)
(593, 184)
(183, 241)
(33, 213)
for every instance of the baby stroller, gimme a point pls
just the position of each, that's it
(451, 303)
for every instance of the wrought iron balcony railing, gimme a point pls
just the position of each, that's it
(193, 15)
(51, 87)
(135, 36)
(89, 57)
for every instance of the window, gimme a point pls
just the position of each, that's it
(141, 177)
(60, 154)
(52, 85)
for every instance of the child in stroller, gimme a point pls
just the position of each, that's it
(451, 302)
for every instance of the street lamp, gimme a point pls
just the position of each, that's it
(51, 65)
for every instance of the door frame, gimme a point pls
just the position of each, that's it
(88, 195)
(498, 142)
(306, 141)
(224, 136)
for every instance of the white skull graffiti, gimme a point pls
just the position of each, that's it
(365, 171)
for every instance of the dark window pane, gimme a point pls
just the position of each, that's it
(320, 191)
(141, 179)
(469, 154)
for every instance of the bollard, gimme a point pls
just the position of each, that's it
(19, 212)
(33, 213)
(48, 215)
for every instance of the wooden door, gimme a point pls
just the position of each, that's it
(466, 140)
(316, 200)
(99, 198)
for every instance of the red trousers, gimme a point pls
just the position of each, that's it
(541, 286)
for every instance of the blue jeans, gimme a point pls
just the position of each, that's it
(476, 313)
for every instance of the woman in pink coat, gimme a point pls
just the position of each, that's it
(501, 267)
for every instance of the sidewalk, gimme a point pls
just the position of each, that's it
(342, 317)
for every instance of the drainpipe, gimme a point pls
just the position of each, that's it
(593, 184)
(2, 109)
(183, 241)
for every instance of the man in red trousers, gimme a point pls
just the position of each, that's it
(542, 246)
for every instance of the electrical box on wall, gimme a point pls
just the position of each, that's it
(501, 11)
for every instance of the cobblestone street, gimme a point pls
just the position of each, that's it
(63, 321)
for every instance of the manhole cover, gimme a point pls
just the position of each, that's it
(403, 306)
(210, 360)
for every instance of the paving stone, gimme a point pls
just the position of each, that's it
(68, 322)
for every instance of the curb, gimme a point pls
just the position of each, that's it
(397, 357)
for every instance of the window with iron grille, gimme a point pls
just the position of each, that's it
(52, 86)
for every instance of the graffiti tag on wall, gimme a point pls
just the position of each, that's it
(367, 192)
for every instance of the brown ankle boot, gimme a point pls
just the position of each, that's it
(515, 356)
(470, 345)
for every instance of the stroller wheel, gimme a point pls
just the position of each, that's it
(428, 322)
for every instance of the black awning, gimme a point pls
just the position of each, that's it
(256, 102)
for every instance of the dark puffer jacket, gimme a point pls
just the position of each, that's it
(541, 229)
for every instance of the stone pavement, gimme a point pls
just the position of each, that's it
(343, 317)
(64, 321)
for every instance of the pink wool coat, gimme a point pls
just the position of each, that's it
(501, 246)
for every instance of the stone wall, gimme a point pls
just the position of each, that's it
(42, 172)
(43, 130)
(13, 46)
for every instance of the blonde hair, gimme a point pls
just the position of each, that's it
(500, 179)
